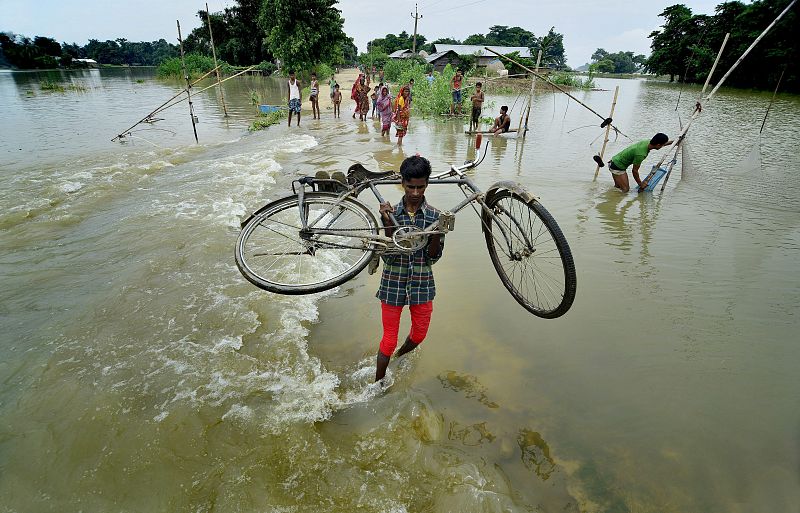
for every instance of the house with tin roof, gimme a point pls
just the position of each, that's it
(483, 57)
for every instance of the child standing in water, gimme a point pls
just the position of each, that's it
(314, 96)
(374, 97)
(337, 100)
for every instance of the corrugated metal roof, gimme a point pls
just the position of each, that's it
(432, 57)
(399, 53)
(479, 50)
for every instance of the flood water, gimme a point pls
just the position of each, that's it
(140, 372)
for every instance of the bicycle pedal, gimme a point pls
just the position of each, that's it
(447, 221)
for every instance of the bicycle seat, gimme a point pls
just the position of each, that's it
(358, 173)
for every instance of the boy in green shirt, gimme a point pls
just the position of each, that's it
(634, 154)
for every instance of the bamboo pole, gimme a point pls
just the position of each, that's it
(608, 130)
(714, 66)
(530, 97)
(188, 84)
(542, 77)
(159, 108)
(214, 53)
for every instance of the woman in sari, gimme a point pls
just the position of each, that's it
(362, 98)
(401, 113)
(353, 93)
(384, 106)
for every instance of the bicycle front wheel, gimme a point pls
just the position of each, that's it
(530, 254)
(273, 252)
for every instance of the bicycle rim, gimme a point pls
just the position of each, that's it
(272, 254)
(530, 254)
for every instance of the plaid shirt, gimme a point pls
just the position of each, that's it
(408, 279)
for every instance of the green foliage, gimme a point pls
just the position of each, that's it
(501, 35)
(514, 69)
(266, 67)
(49, 85)
(263, 121)
(429, 99)
(303, 34)
(375, 57)
(196, 66)
(564, 78)
(324, 72)
(391, 43)
(620, 62)
(687, 44)
(238, 36)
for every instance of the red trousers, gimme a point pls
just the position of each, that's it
(420, 320)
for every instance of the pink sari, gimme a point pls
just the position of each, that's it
(385, 108)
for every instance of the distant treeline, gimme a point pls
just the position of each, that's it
(44, 52)
(687, 44)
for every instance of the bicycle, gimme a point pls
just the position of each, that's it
(317, 239)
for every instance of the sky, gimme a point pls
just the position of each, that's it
(615, 25)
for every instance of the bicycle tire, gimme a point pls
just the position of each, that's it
(311, 263)
(554, 292)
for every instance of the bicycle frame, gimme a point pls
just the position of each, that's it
(454, 176)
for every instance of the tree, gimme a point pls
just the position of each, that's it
(501, 35)
(391, 43)
(599, 54)
(552, 46)
(303, 34)
(476, 39)
(670, 51)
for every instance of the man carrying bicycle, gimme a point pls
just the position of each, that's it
(407, 279)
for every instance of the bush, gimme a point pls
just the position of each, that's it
(266, 67)
(48, 85)
(567, 79)
(263, 121)
(196, 66)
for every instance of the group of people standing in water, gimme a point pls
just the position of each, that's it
(388, 109)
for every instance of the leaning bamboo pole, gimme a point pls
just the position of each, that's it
(542, 77)
(608, 130)
(214, 53)
(188, 84)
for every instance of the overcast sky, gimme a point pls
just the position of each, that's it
(616, 25)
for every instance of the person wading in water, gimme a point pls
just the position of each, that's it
(408, 279)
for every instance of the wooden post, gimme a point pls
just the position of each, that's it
(214, 53)
(608, 130)
(188, 83)
(530, 98)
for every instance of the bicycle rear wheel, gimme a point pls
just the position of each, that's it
(273, 254)
(530, 254)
